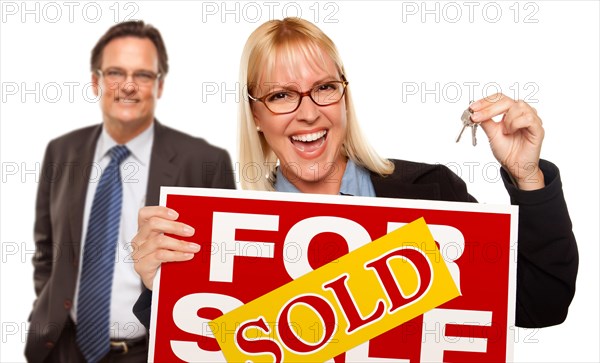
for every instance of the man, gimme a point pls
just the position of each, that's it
(93, 182)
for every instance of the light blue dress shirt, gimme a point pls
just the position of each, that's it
(355, 181)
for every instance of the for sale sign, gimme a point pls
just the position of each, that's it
(287, 277)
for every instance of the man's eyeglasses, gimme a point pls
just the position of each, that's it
(287, 100)
(145, 78)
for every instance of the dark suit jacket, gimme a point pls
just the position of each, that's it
(176, 159)
(547, 257)
(547, 252)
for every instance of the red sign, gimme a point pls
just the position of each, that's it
(255, 242)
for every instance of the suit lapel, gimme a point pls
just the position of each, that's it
(81, 161)
(162, 169)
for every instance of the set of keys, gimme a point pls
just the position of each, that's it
(466, 120)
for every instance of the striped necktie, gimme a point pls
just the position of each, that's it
(95, 284)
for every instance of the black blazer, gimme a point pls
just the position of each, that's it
(176, 159)
(547, 256)
(547, 252)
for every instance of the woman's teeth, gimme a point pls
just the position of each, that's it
(309, 142)
(309, 137)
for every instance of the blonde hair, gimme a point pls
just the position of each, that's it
(290, 38)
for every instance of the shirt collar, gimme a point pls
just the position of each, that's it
(284, 185)
(355, 181)
(140, 146)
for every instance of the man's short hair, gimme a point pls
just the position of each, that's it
(135, 28)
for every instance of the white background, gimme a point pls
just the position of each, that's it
(544, 52)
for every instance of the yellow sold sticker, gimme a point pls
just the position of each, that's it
(341, 305)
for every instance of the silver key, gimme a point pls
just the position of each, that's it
(466, 120)
(473, 137)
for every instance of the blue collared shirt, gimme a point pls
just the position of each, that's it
(355, 181)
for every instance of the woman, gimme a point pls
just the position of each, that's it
(301, 125)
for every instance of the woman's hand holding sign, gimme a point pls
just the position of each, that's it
(152, 247)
